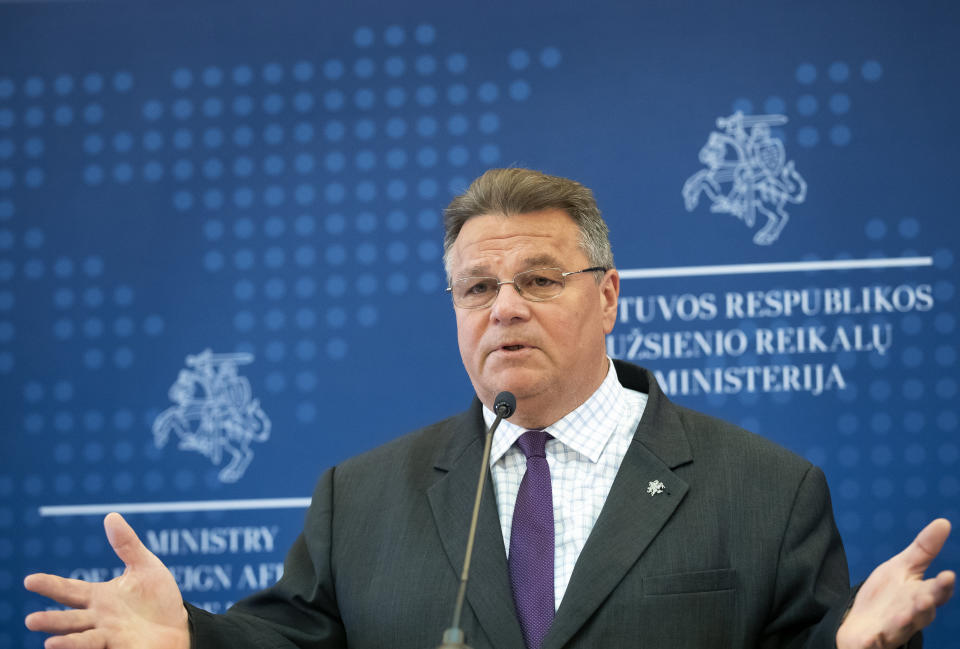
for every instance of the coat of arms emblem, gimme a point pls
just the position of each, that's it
(215, 412)
(747, 172)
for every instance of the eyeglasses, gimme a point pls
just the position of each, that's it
(536, 285)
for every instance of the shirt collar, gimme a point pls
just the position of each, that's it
(586, 430)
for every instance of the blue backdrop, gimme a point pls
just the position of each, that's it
(220, 242)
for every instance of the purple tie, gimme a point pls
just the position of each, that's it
(531, 542)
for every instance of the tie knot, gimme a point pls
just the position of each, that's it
(533, 443)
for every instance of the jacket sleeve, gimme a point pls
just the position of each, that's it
(300, 610)
(812, 587)
(812, 578)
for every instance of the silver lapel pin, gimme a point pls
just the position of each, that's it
(655, 487)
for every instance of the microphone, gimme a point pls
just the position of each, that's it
(503, 406)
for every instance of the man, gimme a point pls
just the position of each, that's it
(619, 518)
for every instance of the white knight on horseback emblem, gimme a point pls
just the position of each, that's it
(747, 173)
(215, 412)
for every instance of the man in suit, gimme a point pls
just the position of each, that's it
(618, 518)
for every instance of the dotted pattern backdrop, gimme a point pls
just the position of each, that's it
(279, 201)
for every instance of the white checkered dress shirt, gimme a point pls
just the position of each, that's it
(584, 455)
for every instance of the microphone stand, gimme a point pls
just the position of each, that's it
(453, 638)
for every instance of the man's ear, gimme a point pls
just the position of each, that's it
(609, 295)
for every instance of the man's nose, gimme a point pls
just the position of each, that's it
(509, 305)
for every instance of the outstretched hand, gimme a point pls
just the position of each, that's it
(896, 601)
(140, 608)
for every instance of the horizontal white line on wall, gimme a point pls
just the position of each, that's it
(775, 267)
(175, 506)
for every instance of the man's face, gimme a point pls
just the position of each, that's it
(550, 354)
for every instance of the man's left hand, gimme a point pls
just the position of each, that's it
(896, 601)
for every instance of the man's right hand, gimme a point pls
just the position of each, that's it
(140, 608)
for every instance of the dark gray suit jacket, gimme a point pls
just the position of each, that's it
(739, 551)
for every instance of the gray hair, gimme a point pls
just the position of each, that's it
(519, 191)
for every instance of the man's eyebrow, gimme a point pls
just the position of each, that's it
(541, 261)
(538, 261)
(476, 271)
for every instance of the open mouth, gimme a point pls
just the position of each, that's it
(512, 348)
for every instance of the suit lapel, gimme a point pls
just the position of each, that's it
(451, 500)
(631, 517)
